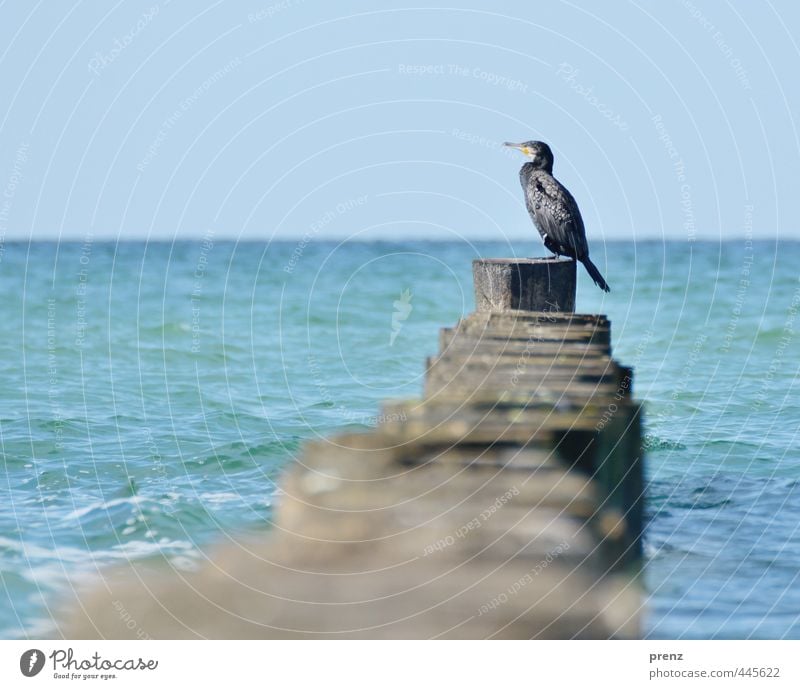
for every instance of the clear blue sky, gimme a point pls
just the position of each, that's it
(276, 119)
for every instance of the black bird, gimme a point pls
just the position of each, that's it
(552, 208)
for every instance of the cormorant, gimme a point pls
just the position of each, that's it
(552, 208)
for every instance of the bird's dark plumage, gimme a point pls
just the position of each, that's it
(553, 209)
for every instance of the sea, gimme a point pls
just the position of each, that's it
(153, 393)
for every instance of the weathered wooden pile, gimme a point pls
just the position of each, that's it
(506, 503)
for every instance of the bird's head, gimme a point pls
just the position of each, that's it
(538, 153)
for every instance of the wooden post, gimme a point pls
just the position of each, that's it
(524, 284)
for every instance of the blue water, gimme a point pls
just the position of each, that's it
(153, 394)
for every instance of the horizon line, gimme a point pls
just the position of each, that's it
(5, 241)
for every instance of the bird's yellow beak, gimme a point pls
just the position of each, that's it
(525, 150)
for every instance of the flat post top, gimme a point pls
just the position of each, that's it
(524, 284)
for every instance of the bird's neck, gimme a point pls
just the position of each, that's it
(530, 168)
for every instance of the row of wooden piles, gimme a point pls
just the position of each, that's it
(506, 503)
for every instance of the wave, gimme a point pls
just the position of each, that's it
(653, 443)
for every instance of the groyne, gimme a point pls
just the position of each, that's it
(506, 502)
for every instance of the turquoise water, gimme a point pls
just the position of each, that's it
(153, 394)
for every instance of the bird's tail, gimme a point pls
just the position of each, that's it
(591, 268)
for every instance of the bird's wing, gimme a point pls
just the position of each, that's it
(556, 214)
